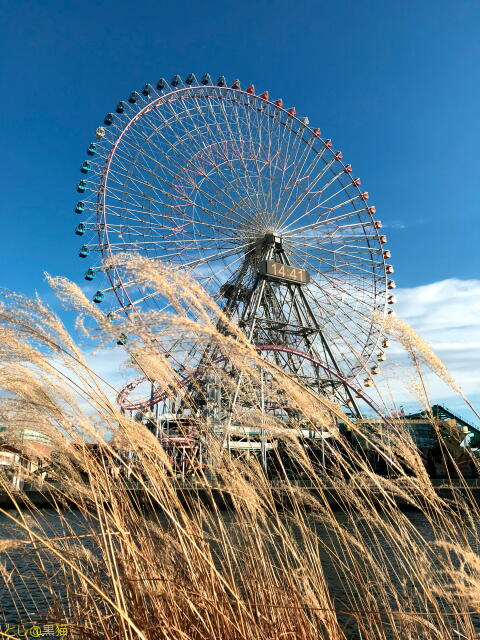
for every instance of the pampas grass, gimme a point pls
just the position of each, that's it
(137, 559)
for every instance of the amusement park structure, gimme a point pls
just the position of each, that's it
(230, 186)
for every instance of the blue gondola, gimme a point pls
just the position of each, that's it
(147, 89)
(221, 82)
(83, 253)
(80, 207)
(98, 297)
(161, 84)
(86, 166)
(92, 149)
(108, 119)
(82, 186)
(190, 79)
(80, 229)
(89, 274)
(133, 97)
(122, 339)
(176, 80)
(206, 79)
(121, 107)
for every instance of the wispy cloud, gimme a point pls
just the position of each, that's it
(400, 224)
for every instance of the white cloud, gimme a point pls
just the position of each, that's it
(446, 314)
(112, 366)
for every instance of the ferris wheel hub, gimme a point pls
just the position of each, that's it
(273, 239)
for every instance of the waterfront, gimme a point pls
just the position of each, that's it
(26, 600)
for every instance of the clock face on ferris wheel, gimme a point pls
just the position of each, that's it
(195, 174)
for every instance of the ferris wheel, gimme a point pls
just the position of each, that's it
(234, 188)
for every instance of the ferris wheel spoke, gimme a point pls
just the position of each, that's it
(340, 336)
(161, 219)
(342, 241)
(324, 221)
(309, 193)
(330, 209)
(287, 214)
(339, 231)
(226, 268)
(307, 171)
(338, 283)
(306, 150)
(354, 334)
(268, 164)
(333, 299)
(350, 351)
(182, 168)
(338, 252)
(281, 152)
(288, 163)
(279, 140)
(333, 267)
(259, 196)
(216, 256)
(184, 219)
(345, 189)
(325, 212)
(239, 153)
(156, 189)
(226, 141)
(257, 207)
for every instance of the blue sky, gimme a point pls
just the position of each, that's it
(394, 84)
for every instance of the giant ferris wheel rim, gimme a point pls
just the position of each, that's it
(113, 273)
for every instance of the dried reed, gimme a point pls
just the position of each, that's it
(131, 557)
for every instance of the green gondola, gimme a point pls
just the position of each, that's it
(89, 274)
